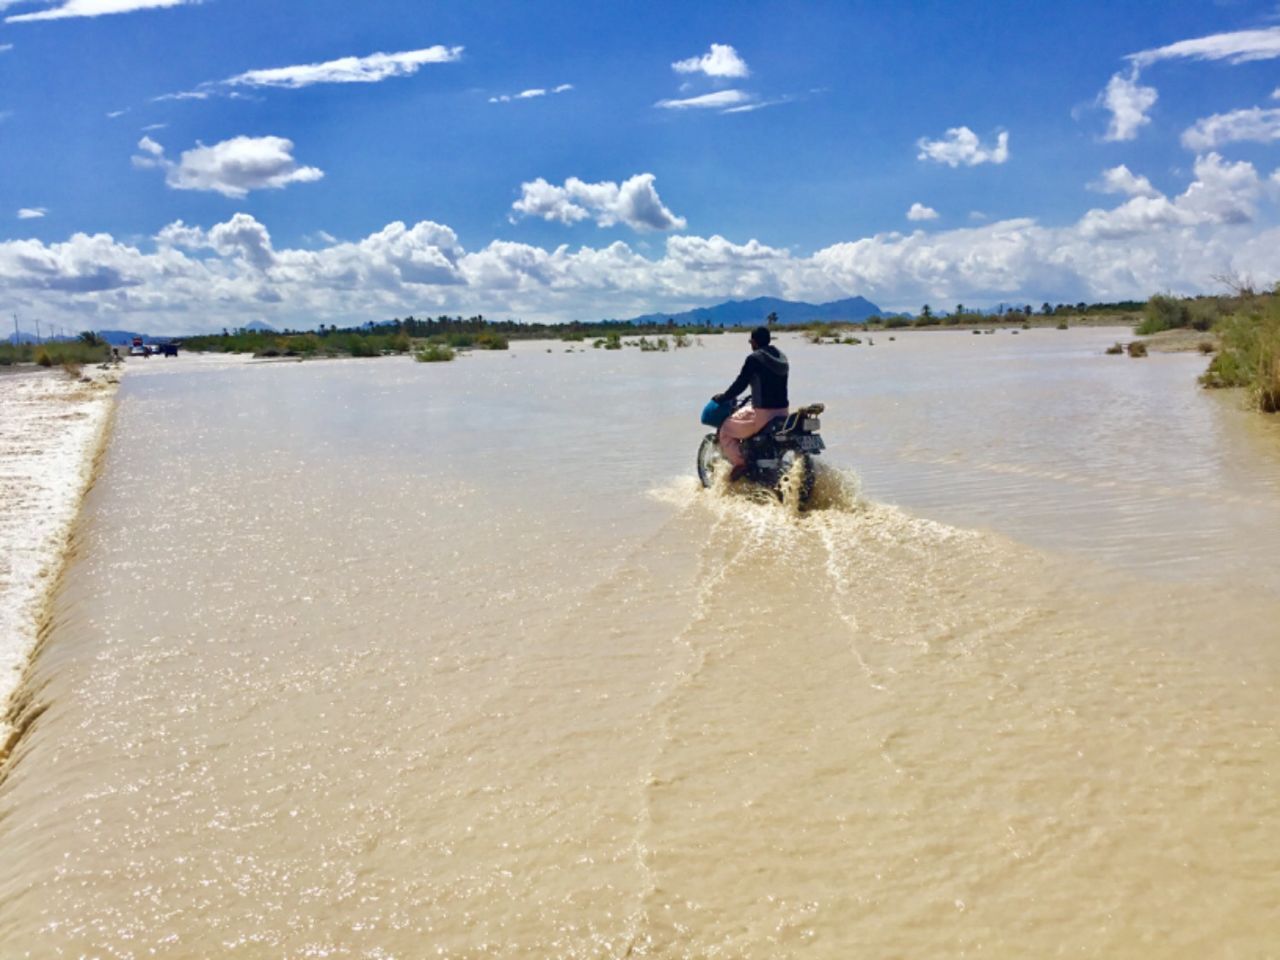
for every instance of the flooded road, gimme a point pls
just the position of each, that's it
(381, 659)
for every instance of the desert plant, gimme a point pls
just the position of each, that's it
(1115, 348)
(1206, 346)
(1137, 349)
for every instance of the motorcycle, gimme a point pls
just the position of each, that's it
(780, 454)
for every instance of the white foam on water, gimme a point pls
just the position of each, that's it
(51, 427)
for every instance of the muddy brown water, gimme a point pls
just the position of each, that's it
(380, 659)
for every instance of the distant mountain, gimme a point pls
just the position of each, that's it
(749, 312)
(260, 325)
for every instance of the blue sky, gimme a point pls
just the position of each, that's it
(177, 166)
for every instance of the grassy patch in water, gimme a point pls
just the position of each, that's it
(435, 353)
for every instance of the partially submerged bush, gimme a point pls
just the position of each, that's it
(43, 358)
(1137, 349)
(1206, 346)
(435, 353)
(1115, 348)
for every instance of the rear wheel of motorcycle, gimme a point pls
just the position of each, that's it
(708, 456)
(794, 467)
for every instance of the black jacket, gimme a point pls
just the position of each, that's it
(765, 370)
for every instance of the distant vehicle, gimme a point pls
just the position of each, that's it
(136, 348)
(168, 349)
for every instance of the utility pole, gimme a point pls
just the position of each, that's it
(15, 330)
(37, 332)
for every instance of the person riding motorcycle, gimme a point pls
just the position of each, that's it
(765, 371)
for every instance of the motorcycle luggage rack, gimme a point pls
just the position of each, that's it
(799, 418)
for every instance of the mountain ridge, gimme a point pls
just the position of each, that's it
(756, 310)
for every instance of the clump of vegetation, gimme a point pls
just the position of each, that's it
(896, 323)
(435, 353)
(72, 369)
(612, 342)
(659, 345)
(1164, 312)
(491, 341)
(1206, 346)
(1115, 348)
(1249, 356)
(1062, 325)
(850, 341)
(55, 352)
(1137, 349)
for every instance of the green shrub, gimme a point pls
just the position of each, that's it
(43, 358)
(1163, 313)
(1249, 356)
(896, 323)
(435, 353)
(359, 346)
(491, 341)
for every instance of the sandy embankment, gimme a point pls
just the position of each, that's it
(51, 427)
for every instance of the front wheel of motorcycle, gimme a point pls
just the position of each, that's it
(795, 468)
(708, 456)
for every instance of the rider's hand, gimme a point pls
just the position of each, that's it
(718, 398)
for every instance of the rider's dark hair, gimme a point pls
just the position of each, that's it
(760, 335)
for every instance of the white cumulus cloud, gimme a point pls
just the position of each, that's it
(1129, 103)
(1255, 123)
(919, 211)
(190, 278)
(31, 213)
(1122, 180)
(961, 146)
(720, 100)
(721, 60)
(231, 168)
(634, 203)
(1223, 193)
(94, 8)
(5, 47)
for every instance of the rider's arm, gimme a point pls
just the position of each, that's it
(743, 381)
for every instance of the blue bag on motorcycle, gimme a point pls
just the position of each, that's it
(714, 414)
